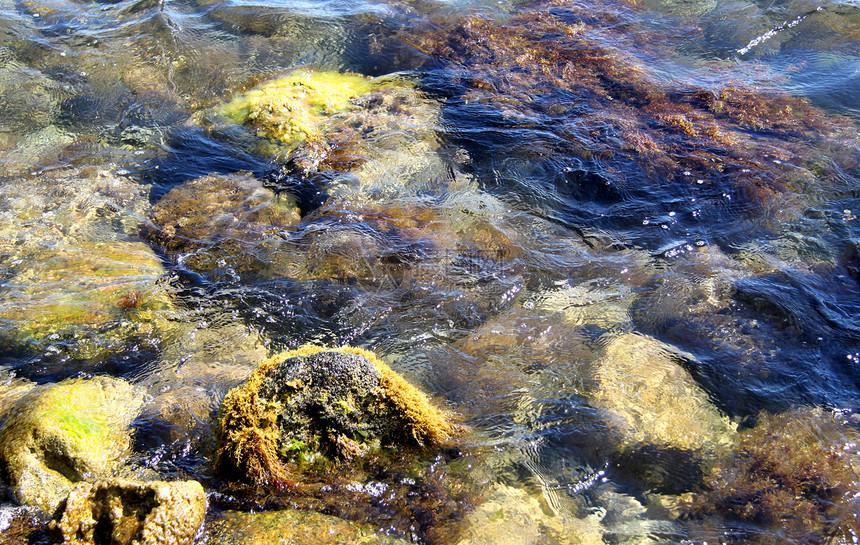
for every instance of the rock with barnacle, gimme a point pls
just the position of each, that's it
(305, 410)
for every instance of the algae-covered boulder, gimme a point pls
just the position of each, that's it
(370, 135)
(293, 108)
(233, 210)
(124, 512)
(292, 526)
(87, 300)
(64, 433)
(305, 408)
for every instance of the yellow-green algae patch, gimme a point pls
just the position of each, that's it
(293, 108)
(259, 433)
(66, 432)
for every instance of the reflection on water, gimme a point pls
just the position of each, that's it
(620, 239)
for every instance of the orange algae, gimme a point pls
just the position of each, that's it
(250, 433)
(795, 474)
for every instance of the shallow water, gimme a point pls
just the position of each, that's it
(596, 194)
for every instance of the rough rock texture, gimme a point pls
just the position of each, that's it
(229, 209)
(303, 408)
(64, 433)
(123, 512)
(291, 526)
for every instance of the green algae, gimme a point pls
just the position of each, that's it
(63, 433)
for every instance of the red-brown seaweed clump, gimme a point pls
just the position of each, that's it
(586, 76)
(790, 479)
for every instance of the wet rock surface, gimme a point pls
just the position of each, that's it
(63, 433)
(234, 211)
(303, 410)
(123, 512)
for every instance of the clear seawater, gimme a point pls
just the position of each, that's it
(753, 282)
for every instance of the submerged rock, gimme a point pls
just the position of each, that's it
(88, 300)
(794, 475)
(650, 398)
(510, 516)
(231, 211)
(302, 410)
(292, 526)
(665, 424)
(123, 512)
(63, 433)
(76, 279)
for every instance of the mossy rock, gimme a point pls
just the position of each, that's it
(294, 108)
(88, 300)
(229, 210)
(291, 526)
(304, 409)
(367, 136)
(60, 434)
(124, 512)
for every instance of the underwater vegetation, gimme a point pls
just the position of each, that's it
(613, 131)
(794, 475)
